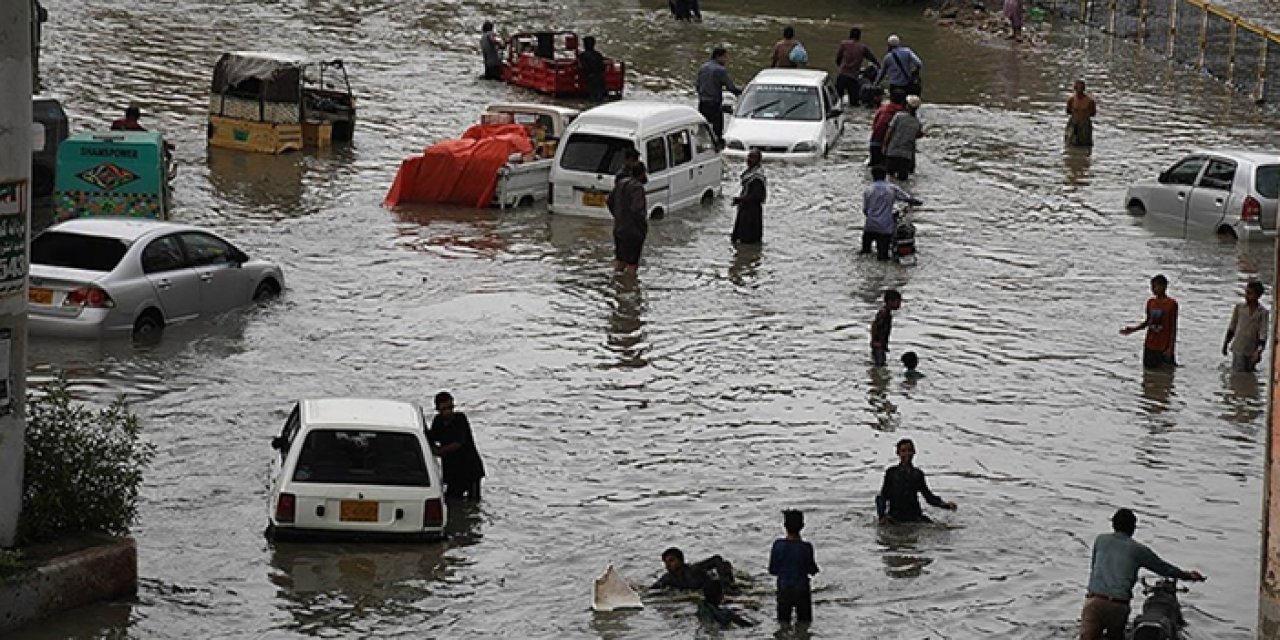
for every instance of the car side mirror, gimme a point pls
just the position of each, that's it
(726, 109)
(239, 257)
(1163, 178)
(279, 443)
(835, 112)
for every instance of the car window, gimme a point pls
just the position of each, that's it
(203, 249)
(681, 148)
(705, 141)
(1267, 181)
(1184, 172)
(655, 151)
(594, 153)
(780, 102)
(1218, 175)
(342, 456)
(77, 251)
(163, 254)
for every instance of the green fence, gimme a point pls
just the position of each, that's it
(1192, 33)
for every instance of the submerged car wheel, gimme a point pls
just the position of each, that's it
(149, 325)
(708, 198)
(267, 290)
(1137, 209)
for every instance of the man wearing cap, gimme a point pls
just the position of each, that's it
(900, 141)
(1113, 572)
(902, 66)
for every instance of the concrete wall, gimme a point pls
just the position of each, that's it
(105, 571)
(1269, 589)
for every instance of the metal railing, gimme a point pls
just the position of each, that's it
(1194, 33)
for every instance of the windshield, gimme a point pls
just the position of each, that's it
(780, 102)
(333, 456)
(75, 251)
(594, 153)
(1268, 180)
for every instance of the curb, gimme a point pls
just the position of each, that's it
(104, 571)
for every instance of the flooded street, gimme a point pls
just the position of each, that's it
(689, 406)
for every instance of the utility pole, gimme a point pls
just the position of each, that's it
(15, 233)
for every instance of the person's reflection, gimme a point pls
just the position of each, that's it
(899, 542)
(883, 410)
(1242, 398)
(1157, 389)
(746, 264)
(626, 336)
(1078, 162)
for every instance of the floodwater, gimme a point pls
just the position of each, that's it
(690, 405)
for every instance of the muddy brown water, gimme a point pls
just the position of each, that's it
(690, 406)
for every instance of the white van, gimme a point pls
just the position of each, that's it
(675, 143)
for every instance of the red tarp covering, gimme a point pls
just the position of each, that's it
(462, 171)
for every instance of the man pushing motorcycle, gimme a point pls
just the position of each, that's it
(1112, 575)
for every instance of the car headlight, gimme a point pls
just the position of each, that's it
(804, 147)
(737, 145)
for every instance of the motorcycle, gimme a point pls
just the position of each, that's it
(1161, 617)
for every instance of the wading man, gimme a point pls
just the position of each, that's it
(451, 434)
(748, 226)
(490, 46)
(630, 211)
(1081, 108)
(713, 80)
(897, 502)
(1247, 331)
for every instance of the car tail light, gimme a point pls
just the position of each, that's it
(89, 297)
(433, 513)
(1251, 210)
(286, 506)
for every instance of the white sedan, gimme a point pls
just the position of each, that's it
(356, 469)
(786, 114)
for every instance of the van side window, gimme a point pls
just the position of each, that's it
(681, 148)
(1219, 175)
(706, 142)
(655, 151)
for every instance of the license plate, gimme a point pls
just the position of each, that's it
(358, 511)
(40, 296)
(594, 199)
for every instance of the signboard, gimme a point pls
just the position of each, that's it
(13, 238)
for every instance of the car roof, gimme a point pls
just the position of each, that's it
(1247, 155)
(641, 114)
(806, 77)
(534, 107)
(386, 415)
(129, 229)
(144, 138)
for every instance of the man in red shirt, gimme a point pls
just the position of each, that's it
(130, 120)
(880, 126)
(1161, 324)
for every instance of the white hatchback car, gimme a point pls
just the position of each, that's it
(786, 114)
(355, 469)
(95, 277)
(1227, 191)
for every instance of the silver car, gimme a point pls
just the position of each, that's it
(97, 277)
(1227, 191)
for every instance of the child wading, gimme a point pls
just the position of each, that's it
(882, 326)
(1161, 325)
(791, 559)
(1247, 332)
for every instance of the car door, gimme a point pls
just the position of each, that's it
(683, 172)
(283, 444)
(833, 118)
(1169, 197)
(223, 284)
(658, 191)
(176, 285)
(1208, 202)
(706, 158)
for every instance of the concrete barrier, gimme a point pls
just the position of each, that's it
(69, 574)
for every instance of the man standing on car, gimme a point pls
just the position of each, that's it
(1112, 573)
(490, 48)
(450, 433)
(902, 66)
(713, 80)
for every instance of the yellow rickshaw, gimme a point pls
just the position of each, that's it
(272, 103)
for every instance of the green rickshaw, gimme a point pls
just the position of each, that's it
(114, 173)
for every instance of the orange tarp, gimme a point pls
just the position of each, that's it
(462, 171)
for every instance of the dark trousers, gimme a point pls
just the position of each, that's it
(882, 241)
(1102, 618)
(800, 600)
(460, 490)
(900, 168)
(877, 154)
(715, 117)
(1152, 359)
(852, 87)
(493, 73)
(905, 89)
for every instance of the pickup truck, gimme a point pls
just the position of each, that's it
(523, 182)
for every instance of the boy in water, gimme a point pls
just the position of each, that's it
(910, 360)
(882, 326)
(1247, 331)
(791, 559)
(897, 502)
(1161, 324)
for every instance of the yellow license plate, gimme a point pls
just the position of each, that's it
(40, 296)
(594, 199)
(358, 511)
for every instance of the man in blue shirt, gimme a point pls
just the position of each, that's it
(791, 559)
(902, 66)
(877, 204)
(1112, 574)
(713, 80)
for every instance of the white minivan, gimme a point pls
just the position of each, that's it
(675, 143)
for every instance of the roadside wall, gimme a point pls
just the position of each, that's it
(107, 570)
(1269, 589)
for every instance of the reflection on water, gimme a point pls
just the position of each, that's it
(627, 337)
(1077, 161)
(899, 549)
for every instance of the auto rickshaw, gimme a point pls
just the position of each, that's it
(273, 103)
(113, 173)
